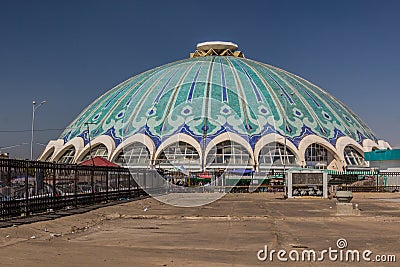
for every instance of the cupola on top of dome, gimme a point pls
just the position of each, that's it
(216, 48)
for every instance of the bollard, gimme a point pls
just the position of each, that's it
(344, 207)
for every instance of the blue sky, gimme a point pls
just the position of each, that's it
(70, 52)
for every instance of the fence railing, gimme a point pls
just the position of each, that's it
(379, 188)
(28, 187)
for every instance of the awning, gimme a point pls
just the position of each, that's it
(99, 161)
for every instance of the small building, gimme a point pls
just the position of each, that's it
(384, 160)
(388, 164)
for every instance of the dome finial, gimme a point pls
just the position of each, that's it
(216, 48)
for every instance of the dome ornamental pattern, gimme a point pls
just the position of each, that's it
(208, 95)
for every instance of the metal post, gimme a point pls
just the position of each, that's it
(107, 178)
(26, 190)
(129, 185)
(325, 184)
(54, 183)
(54, 187)
(118, 184)
(290, 185)
(92, 184)
(76, 187)
(9, 175)
(189, 174)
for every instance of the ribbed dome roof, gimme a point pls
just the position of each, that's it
(206, 96)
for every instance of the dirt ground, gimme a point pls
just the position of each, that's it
(228, 232)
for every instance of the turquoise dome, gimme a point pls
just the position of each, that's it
(206, 96)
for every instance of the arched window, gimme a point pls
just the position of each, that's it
(134, 154)
(97, 151)
(49, 154)
(68, 156)
(274, 154)
(316, 156)
(179, 154)
(229, 153)
(353, 157)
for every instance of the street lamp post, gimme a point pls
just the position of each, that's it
(90, 144)
(34, 108)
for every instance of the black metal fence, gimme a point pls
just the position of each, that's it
(375, 182)
(31, 187)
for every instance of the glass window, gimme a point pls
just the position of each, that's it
(49, 154)
(316, 156)
(353, 157)
(97, 151)
(179, 154)
(274, 154)
(134, 154)
(68, 156)
(228, 152)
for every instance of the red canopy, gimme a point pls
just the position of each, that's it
(99, 161)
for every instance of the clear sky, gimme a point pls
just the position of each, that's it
(70, 52)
